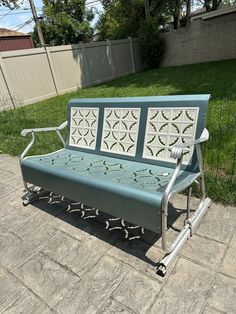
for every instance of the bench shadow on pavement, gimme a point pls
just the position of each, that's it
(122, 235)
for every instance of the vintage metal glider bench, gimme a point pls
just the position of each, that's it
(128, 157)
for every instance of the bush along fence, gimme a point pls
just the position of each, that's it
(30, 75)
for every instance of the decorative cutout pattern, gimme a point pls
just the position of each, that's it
(151, 178)
(168, 127)
(121, 224)
(83, 130)
(146, 179)
(120, 130)
(127, 229)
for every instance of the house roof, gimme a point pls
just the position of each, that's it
(215, 13)
(4, 32)
(198, 11)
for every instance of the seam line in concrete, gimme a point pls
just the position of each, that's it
(62, 265)
(27, 288)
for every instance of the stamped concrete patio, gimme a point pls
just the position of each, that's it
(54, 261)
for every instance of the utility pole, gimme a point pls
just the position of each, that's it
(147, 11)
(37, 23)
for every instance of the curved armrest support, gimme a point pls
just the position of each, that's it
(177, 153)
(178, 150)
(164, 204)
(37, 130)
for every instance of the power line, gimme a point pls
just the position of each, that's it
(35, 17)
(16, 13)
(4, 15)
(19, 25)
(24, 24)
(19, 9)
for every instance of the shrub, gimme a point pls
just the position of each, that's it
(151, 43)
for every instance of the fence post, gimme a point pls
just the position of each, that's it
(111, 59)
(132, 54)
(86, 81)
(52, 70)
(4, 75)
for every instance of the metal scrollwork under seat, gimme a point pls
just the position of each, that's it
(126, 157)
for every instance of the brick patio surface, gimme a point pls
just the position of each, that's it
(55, 261)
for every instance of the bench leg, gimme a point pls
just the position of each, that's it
(185, 233)
(32, 194)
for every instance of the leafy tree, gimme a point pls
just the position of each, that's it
(122, 18)
(161, 11)
(212, 5)
(107, 3)
(10, 3)
(65, 22)
(115, 22)
(175, 8)
(152, 45)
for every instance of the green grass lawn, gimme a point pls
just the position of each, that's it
(216, 78)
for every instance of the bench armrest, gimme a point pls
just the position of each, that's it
(33, 131)
(178, 150)
(58, 128)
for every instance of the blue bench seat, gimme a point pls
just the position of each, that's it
(116, 186)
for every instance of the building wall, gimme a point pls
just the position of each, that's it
(204, 40)
(15, 43)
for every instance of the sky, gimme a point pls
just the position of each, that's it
(16, 19)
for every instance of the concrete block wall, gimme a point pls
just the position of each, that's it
(204, 40)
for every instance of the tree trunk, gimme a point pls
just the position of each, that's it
(147, 10)
(208, 5)
(188, 12)
(134, 21)
(177, 14)
(215, 4)
(212, 5)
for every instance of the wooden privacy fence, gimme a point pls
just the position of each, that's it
(30, 75)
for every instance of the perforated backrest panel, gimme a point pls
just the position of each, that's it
(120, 130)
(137, 128)
(167, 127)
(83, 127)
